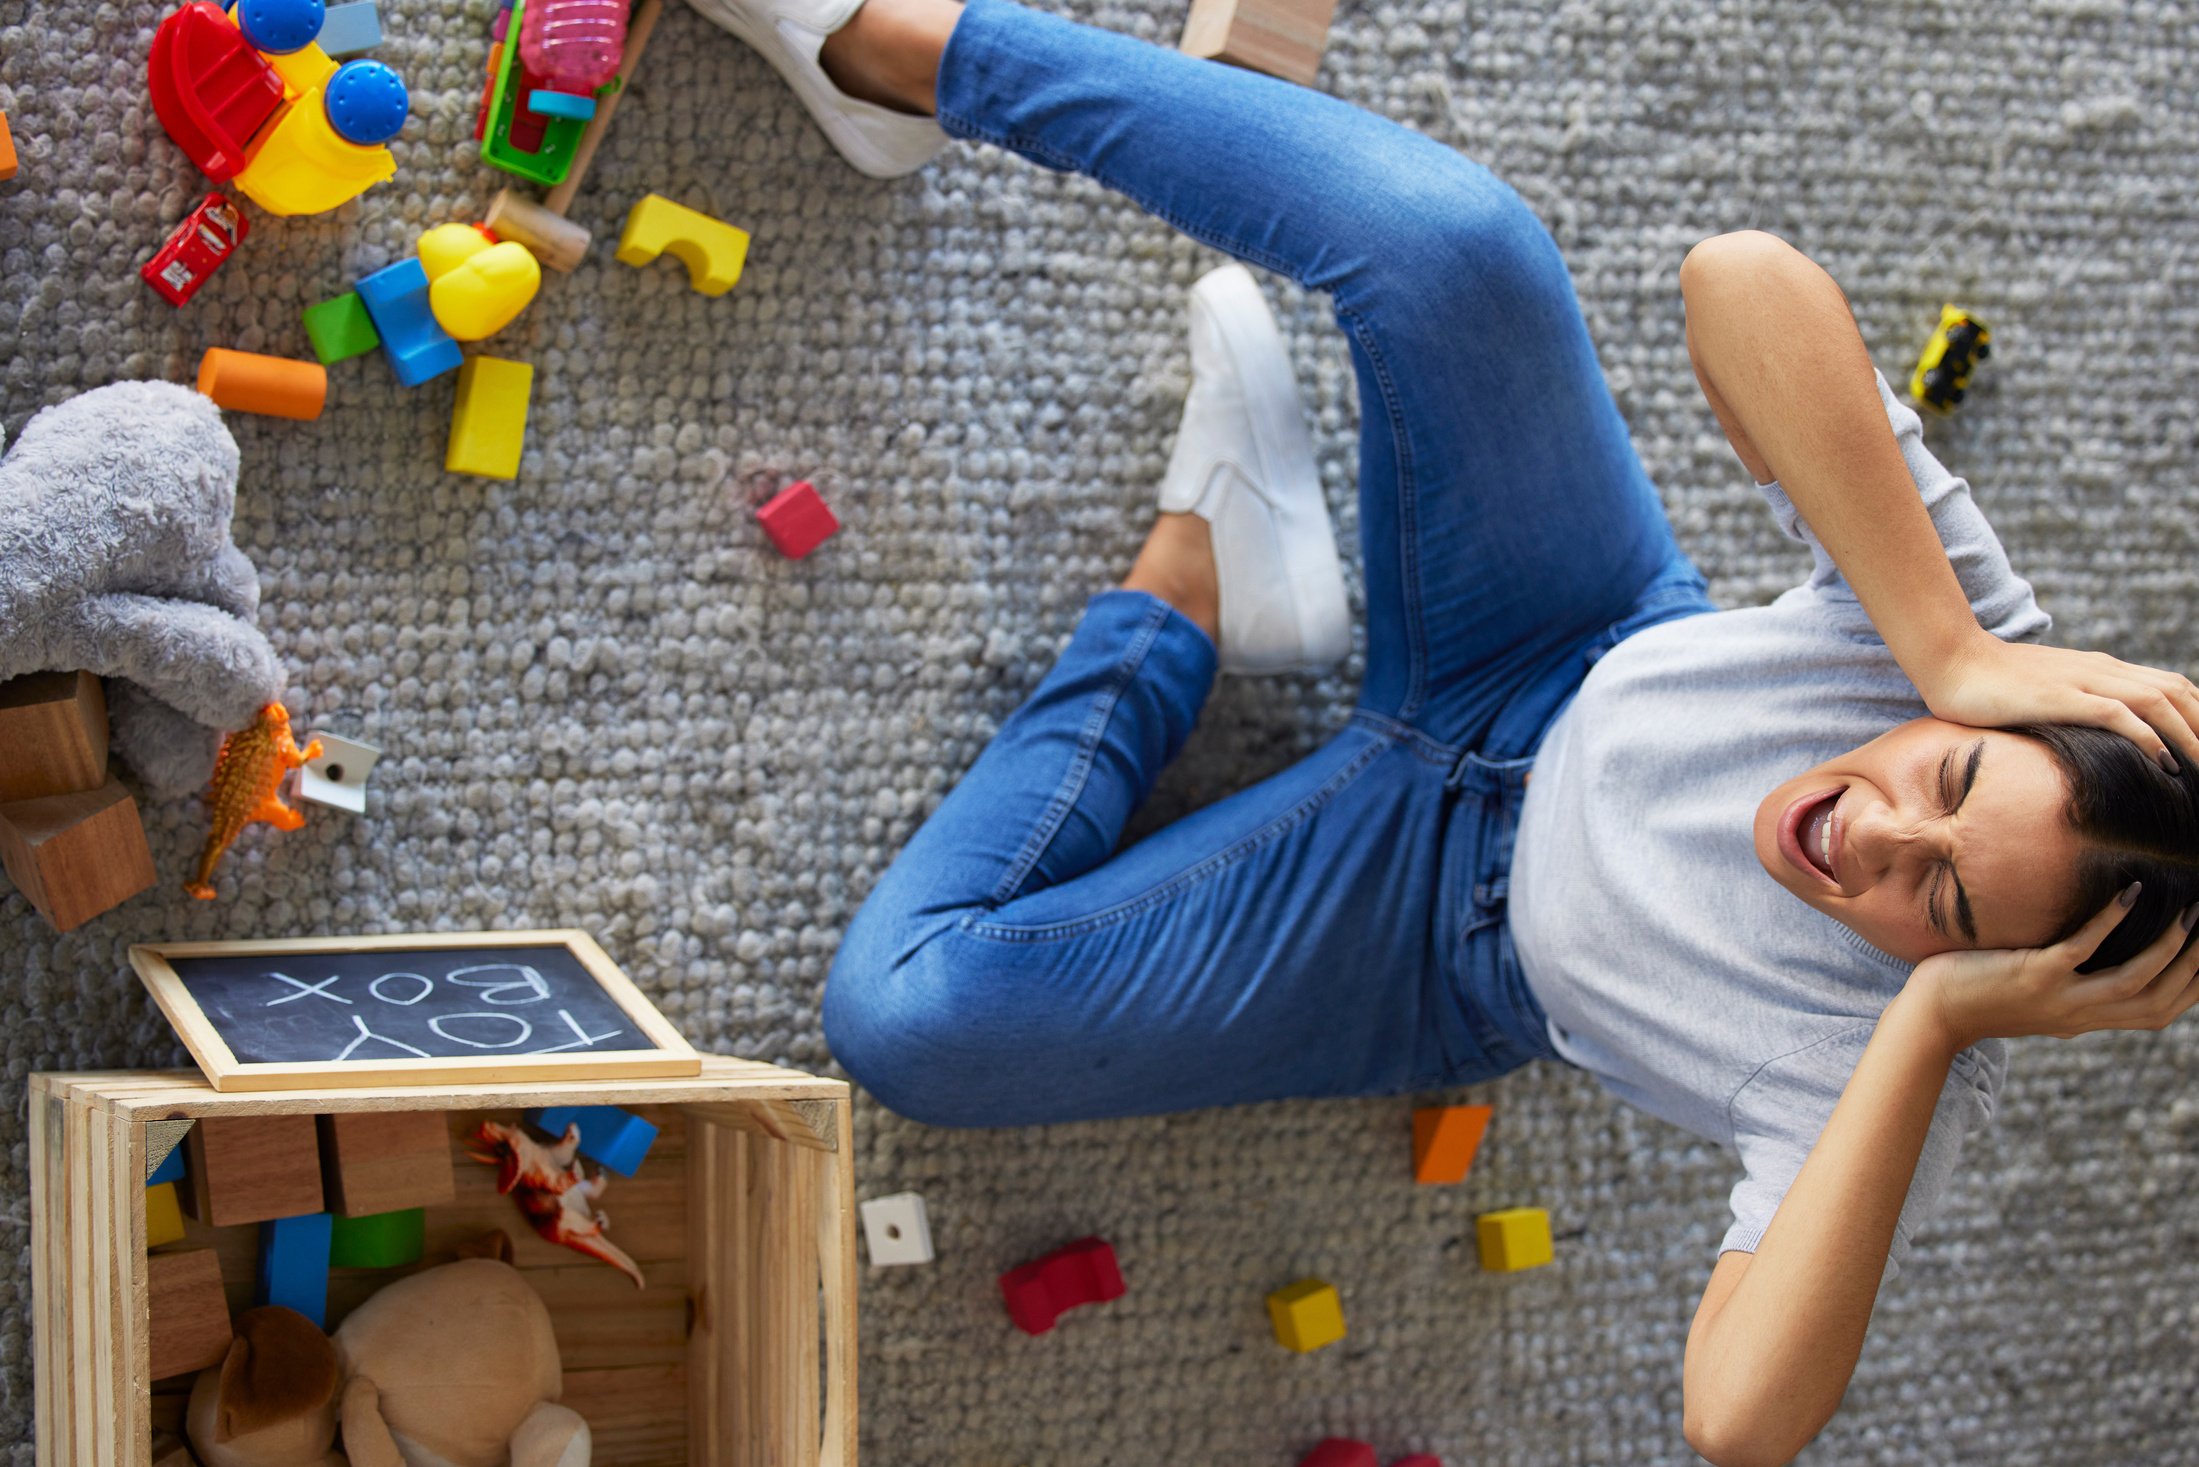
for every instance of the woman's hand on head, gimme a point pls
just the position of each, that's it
(2007, 993)
(1990, 683)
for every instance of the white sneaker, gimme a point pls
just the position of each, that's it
(789, 33)
(1243, 462)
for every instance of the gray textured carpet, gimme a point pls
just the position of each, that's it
(608, 703)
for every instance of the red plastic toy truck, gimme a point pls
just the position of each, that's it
(195, 250)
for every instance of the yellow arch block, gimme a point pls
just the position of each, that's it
(711, 249)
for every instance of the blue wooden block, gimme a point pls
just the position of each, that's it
(350, 29)
(397, 300)
(170, 1168)
(615, 1138)
(294, 1264)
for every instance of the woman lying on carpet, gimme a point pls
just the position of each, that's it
(1997, 840)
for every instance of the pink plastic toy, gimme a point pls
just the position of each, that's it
(797, 520)
(1084, 1272)
(573, 46)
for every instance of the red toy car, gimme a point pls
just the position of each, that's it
(195, 250)
(1084, 1272)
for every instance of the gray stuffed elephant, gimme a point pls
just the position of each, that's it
(115, 557)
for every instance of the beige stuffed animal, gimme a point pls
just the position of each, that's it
(452, 1367)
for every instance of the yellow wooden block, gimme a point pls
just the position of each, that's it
(488, 426)
(712, 249)
(163, 1217)
(1516, 1238)
(1306, 1315)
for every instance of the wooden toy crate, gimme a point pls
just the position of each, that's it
(739, 1353)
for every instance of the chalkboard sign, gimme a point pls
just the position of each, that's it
(415, 1009)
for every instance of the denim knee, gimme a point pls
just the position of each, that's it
(890, 1020)
(1457, 250)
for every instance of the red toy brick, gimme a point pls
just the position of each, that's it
(1338, 1451)
(797, 520)
(211, 90)
(196, 249)
(1083, 1272)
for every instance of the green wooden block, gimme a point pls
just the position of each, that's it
(379, 1239)
(341, 329)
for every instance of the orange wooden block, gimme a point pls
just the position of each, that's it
(247, 1169)
(247, 382)
(53, 735)
(75, 856)
(386, 1161)
(1445, 1139)
(7, 150)
(188, 1313)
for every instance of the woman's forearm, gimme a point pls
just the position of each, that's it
(1768, 1371)
(1788, 375)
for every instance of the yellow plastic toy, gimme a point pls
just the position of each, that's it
(1516, 1238)
(711, 249)
(484, 291)
(1306, 1315)
(247, 787)
(488, 427)
(303, 162)
(163, 1216)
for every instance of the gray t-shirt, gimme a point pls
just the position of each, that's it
(1671, 964)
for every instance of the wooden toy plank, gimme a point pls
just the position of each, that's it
(53, 735)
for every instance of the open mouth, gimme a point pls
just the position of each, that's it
(1809, 835)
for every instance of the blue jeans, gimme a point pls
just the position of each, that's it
(1337, 929)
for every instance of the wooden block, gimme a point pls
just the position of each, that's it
(1306, 1315)
(247, 1169)
(555, 240)
(386, 1161)
(1445, 1138)
(7, 150)
(488, 422)
(1283, 38)
(53, 735)
(1516, 1238)
(189, 1314)
(75, 856)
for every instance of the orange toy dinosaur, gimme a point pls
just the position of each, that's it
(248, 780)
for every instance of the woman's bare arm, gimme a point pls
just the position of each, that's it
(1786, 371)
(1777, 1334)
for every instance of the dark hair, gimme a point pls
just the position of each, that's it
(2135, 822)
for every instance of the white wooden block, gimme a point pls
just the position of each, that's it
(898, 1229)
(338, 778)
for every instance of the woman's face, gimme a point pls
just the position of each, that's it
(1931, 836)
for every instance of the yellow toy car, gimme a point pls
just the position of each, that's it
(1942, 375)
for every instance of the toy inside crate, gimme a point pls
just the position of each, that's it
(739, 1350)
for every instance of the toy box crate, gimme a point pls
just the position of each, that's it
(739, 1353)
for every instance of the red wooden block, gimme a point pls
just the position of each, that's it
(1083, 1272)
(797, 520)
(195, 250)
(1338, 1451)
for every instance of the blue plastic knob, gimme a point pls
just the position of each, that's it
(366, 102)
(280, 27)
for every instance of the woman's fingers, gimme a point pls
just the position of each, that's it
(2155, 985)
(2078, 947)
(2118, 713)
(2164, 703)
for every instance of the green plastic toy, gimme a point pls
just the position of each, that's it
(378, 1240)
(552, 159)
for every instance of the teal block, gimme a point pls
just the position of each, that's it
(341, 329)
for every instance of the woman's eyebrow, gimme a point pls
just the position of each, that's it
(1962, 898)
